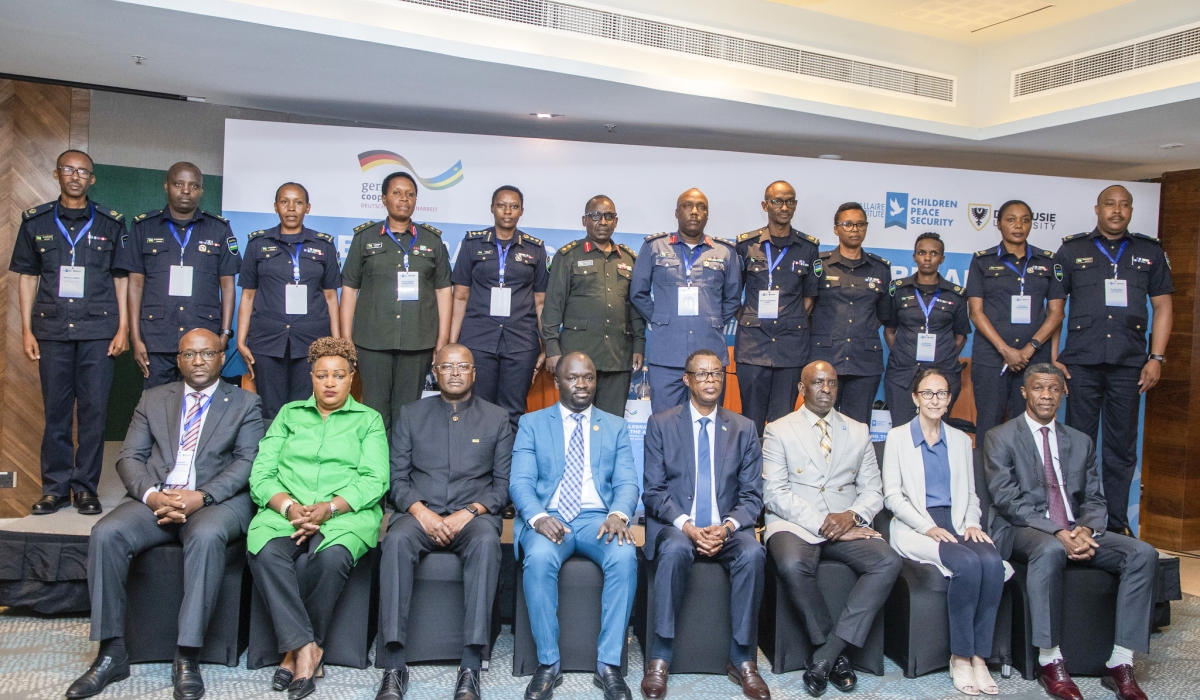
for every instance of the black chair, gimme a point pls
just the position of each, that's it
(703, 627)
(436, 611)
(1089, 621)
(355, 620)
(154, 594)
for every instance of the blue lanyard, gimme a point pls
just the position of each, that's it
(1104, 250)
(689, 261)
(772, 264)
(194, 419)
(502, 253)
(927, 309)
(295, 259)
(1020, 273)
(187, 236)
(412, 228)
(82, 232)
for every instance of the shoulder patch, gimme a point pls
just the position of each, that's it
(726, 241)
(324, 237)
(216, 216)
(364, 227)
(231, 243)
(892, 288)
(1144, 237)
(531, 239)
(567, 247)
(41, 209)
(435, 231)
(981, 253)
(629, 250)
(1071, 238)
(654, 237)
(885, 261)
(255, 234)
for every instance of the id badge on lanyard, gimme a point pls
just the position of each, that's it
(1116, 291)
(927, 342)
(689, 296)
(768, 299)
(180, 283)
(1021, 311)
(406, 281)
(501, 302)
(295, 299)
(71, 277)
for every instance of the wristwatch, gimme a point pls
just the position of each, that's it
(1037, 344)
(333, 511)
(472, 510)
(208, 499)
(1161, 358)
(226, 331)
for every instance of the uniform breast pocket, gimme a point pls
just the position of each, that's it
(624, 278)
(585, 281)
(375, 262)
(1086, 275)
(157, 258)
(1139, 276)
(49, 253)
(101, 254)
(830, 283)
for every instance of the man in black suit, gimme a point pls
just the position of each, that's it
(1048, 510)
(186, 465)
(450, 462)
(703, 494)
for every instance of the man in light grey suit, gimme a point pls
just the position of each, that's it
(822, 488)
(185, 464)
(1048, 527)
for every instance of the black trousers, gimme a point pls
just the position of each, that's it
(856, 395)
(76, 376)
(742, 556)
(132, 528)
(997, 397)
(163, 370)
(1111, 391)
(504, 378)
(612, 391)
(280, 380)
(876, 564)
(406, 543)
(391, 379)
(768, 393)
(899, 397)
(301, 606)
(1132, 560)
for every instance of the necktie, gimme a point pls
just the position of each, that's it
(572, 482)
(1058, 511)
(703, 477)
(826, 441)
(192, 436)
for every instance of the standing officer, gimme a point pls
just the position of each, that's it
(772, 340)
(499, 289)
(181, 262)
(1108, 275)
(852, 304)
(696, 283)
(402, 320)
(73, 319)
(297, 270)
(1016, 304)
(588, 309)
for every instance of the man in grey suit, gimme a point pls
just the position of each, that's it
(822, 488)
(185, 464)
(1048, 509)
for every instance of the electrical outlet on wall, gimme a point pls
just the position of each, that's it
(8, 480)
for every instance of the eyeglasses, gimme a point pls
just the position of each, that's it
(698, 206)
(853, 225)
(208, 355)
(777, 202)
(455, 368)
(928, 394)
(608, 216)
(68, 171)
(708, 376)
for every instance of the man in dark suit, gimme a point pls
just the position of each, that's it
(1048, 510)
(186, 465)
(450, 460)
(703, 494)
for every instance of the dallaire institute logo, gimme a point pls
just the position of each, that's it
(980, 215)
(374, 159)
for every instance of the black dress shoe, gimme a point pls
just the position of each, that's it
(816, 678)
(104, 670)
(303, 687)
(842, 675)
(611, 682)
(393, 686)
(49, 504)
(87, 503)
(282, 679)
(185, 676)
(467, 687)
(543, 683)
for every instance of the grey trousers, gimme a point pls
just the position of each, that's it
(1132, 560)
(300, 597)
(132, 528)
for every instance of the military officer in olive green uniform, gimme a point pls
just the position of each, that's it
(396, 300)
(588, 309)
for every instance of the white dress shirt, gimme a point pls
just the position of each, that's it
(1036, 428)
(176, 475)
(589, 498)
(715, 511)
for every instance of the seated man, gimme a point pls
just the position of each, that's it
(1048, 527)
(703, 475)
(450, 459)
(574, 486)
(186, 465)
(823, 488)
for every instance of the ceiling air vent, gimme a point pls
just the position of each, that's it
(698, 42)
(1141, 53)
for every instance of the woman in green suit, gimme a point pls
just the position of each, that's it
(320, 473)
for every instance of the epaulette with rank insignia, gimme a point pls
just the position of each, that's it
(654, 237)
(216, 216)
(363, 227)
(627, 249)
(813, 239)
(324, 237)
(567, 247)
(748, 235)
(958, 290)
(531, 239)
(432, 229)
(726, 241)
(883, 260)
(825, 254)
(1078, 235)
(147, 215)
(1047, 253)
(1144, 237)
(255, 234)
(476, 234)
(42, 209)
(985, 251)
(111, 213)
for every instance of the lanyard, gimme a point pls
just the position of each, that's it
(772, 264)
(1104, 250)
(689, 261)
(295, 259)
(927, 309)
(1021, 272)
(187, 236)
(412, 228)
(502, 253)
(194, 419)
(82, 232)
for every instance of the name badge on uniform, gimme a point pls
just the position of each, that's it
(181, 281)
(689, 301)
(926, 347)
(768, 303)
(1115, 293)
(406, 286)
(1022, 309)
(501, 301)
(70, 282)
(295, 299)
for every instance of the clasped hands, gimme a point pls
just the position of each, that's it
(443, 530)
(1079, 543)
(308, 519)
(173, 506)
(708, 540)
(843, 527)
(555, 530)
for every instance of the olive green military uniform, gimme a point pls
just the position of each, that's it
(588, 310)
(395, 339)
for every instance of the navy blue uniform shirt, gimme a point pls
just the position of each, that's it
(478, 267)
(783, 341)
(992, 280)
(852, 304)
(948, 317)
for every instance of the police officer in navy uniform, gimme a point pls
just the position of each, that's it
(73, 323)
(1108, 275)
(924, 304)
(779, 291)
(181, 264)
(696, 283)
(500, 280)
(1016, 304)
(296, 270)
(852, 304)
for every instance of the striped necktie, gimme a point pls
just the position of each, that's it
(826, 441)
(572, 481)
(192, 423)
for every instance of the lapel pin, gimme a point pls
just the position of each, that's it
(596, 428)
(225, 399)
(724, 428)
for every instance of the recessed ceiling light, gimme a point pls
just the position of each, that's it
(1171, 145)
(544, 115)
(830, 156)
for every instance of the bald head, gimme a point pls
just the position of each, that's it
(779, 202)
(453, 352)
(568, 361)
(185, 187)
(594, 201)
(200, 358)
(691, 211)
(185, 167)
(200, 335)
(819, 386)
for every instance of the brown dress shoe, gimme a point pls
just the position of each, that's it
(746, 675)
(1058, 684)
(1120, 680)
(654, 683)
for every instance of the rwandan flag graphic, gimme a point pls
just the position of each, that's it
(371, 159)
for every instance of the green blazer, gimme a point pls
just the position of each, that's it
(313, 460)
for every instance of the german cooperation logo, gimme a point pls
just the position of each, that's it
(374, 159)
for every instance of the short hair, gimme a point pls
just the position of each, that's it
(1043, 368)
(508, 188)
(1012, 203)
(332, 347)
(702, 352)
(848, 206)
(926, 374)
(929, 236)
(588, 205)
(387, 181)
(292, 184)
(75, 150)
(1112, 186)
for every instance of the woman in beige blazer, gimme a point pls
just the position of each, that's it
(929, 485)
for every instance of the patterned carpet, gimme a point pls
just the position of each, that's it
(39, 657)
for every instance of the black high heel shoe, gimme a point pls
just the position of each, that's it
(282, 679)
(303, 687)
